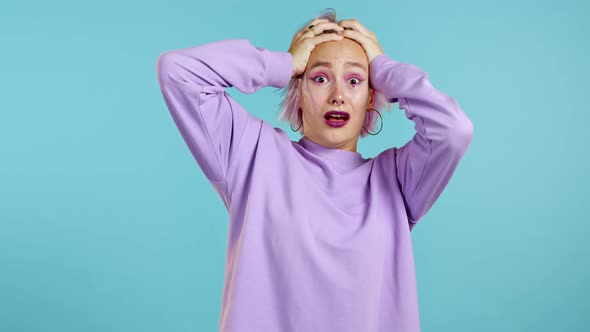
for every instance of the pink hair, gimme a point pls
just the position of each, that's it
(289, 107)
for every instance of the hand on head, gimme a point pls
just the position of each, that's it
(321, 30)
(306, 39)
(357, 32)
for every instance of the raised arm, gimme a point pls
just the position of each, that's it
(193, 82)
(425, 164)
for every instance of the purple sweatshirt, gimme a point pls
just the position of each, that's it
(319, 238)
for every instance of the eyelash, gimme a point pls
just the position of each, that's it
(318, 76)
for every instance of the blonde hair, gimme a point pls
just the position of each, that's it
(289, 107)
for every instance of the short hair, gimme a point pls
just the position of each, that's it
(289, 110)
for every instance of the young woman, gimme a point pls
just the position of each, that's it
(319, 237)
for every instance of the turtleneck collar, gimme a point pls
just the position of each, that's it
(342, 156)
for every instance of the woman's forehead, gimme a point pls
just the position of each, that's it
(340, 53)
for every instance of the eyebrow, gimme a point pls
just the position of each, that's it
(329, 64)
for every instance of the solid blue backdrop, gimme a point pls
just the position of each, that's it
(108, 224)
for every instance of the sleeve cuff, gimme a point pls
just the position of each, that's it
(381, 58)
(378, 63)
(278, 68)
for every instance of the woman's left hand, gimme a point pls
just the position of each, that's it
(363, 36)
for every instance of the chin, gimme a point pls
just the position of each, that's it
(336, 139)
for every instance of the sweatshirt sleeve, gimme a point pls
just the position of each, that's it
(193, 83)
(425, 164)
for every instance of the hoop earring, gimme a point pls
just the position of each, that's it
(381, 123)
(296, 130)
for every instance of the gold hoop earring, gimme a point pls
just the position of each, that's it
(381, 123)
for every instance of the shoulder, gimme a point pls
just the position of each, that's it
(387, 156)
(384, 164)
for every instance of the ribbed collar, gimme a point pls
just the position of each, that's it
(349, 158)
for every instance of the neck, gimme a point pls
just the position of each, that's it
(346, 146)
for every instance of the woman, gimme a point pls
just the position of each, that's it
(319, 237)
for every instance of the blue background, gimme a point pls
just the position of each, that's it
(108, 224)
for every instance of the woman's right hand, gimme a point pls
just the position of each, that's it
(305, 40)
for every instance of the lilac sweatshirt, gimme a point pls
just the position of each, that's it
(319, 238)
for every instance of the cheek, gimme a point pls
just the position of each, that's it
(315, 95)
(360, 98)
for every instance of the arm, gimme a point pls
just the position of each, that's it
(193, 82)
(425, 164)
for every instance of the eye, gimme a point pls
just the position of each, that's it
(318, 78)
(354, 81)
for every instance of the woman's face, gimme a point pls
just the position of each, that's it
(337, 77)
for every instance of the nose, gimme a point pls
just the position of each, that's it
(337, 100)
(336, 96)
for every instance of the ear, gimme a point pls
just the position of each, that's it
(371, 97)
(300, 92)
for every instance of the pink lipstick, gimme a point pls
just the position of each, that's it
(336, 118)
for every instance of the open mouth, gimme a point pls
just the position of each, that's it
(336, 118)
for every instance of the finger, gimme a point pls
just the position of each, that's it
(322, 28)
(305, 28)
(315, 21)
(355, 24)
(324, 38)
(356, 36)
(326, 27)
